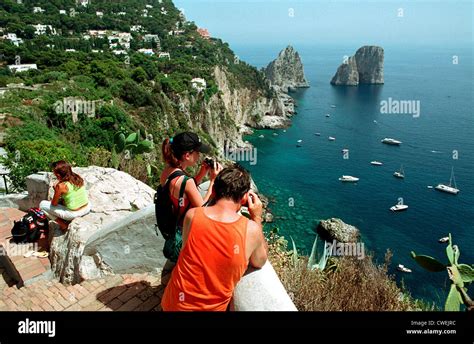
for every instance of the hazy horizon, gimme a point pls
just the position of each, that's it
(357, 23)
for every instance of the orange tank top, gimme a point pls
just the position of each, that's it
(209, 266)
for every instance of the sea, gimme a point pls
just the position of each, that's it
(303, 184)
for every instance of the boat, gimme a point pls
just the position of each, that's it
(275, 134)
(299, 141)
(328, 115)
(375, 121)
(376, 163)
(443, 240)
(430, 186)
(400, 173)
(392, 142)
(402, 268)
(349, 179)
(317, 134)
(399, 207)
(284, 131)
(451, 188)
(333, 106)
(331, 138)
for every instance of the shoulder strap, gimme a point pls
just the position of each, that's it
(177, 173)
(181, 194)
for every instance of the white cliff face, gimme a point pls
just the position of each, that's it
(286, 72)
(233, 112)
(366, 67)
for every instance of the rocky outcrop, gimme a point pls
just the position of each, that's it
(336, 229)
(286, 72)
(365, 67)
(114, 196)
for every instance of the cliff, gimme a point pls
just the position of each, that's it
(365, 67)
(286, 71)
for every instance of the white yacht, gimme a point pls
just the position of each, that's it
(402, 268)
(443, 240)
(451, 188)
(400, 173)
(328, 115)
(261, 136)
(333, 106)
(349, 179)
(390, 141)
(399, 207)
(299, 141)
(317, 134)
(332, 138)
(376, 163)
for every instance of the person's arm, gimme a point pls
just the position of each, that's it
(187, 224)
(193, 193)
(259, 255)
(202, 173)
(59, 190)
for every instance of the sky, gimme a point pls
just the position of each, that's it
(381, 22)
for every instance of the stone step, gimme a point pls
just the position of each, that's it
(23, 270)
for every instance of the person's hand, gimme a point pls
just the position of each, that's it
(255, 207)
(215, 171)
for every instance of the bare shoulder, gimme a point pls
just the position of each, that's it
(190, 213)
(253, 229)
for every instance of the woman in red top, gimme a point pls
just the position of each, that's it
(179, 153)
(218, 245)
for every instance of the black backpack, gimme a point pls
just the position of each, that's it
(166, 216)
(30, 226)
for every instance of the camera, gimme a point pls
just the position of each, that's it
(209, 162)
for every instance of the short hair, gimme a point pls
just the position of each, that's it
(232, 182)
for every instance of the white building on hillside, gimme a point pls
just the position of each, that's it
(148, 52)
(167, 55)
(37, 10)
(22, 67)
(12, 37)
(62, 12)
(41, 29)
(199, 84)
(99, 14)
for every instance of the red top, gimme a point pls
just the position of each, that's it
(209, 266)
(175, 201)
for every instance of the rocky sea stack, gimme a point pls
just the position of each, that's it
(365, 67)
(286, 72)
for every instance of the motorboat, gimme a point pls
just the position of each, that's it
(402, 268)
(400, 173)
(443, 240)
(392, 142)
(331, 138)
(376, 163)
(399, 207)
(349, 179)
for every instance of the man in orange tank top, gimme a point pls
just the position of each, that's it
(218, 245)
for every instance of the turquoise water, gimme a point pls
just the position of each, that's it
(307, 177)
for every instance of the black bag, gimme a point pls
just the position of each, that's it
(166, 216)
(30, 226)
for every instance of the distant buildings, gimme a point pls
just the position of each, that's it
(99, 14)
(148, 52)
(70, 50)
(13, 38)
(22, 67)
(82, 3)
(98, 33)
(151, 38)
(119, 52)
(199, 84)
(41, 29)
(166, 55)
(37, 10)
(136, 28)
(204, 33)
(62, 12)
(122, 38)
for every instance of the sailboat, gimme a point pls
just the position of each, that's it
(400, 173)
(451, 188)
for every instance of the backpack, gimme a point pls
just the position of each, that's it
(166, 216)
(30, 226)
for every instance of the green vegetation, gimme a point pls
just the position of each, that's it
(461, 275)
(81, 98)
(338, 283)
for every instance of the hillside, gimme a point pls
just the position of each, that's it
(74, 74)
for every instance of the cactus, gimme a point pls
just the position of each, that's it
(459, 274)
(130, 144)
(321, 265)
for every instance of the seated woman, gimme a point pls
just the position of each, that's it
(71, 192)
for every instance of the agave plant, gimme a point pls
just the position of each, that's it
(312, 265)
(132, 145)
(460, 275)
